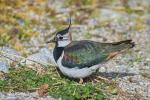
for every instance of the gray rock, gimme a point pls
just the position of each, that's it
(44, 57)
(148, 22)
(4, 67)
(133, 3)
(23, 96)
(13, 98)
(133, 70)
(109, 14)
(10, 53)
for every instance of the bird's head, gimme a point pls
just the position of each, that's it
(62, 38)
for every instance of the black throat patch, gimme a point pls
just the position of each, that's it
(57, 52)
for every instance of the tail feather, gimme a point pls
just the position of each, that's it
(127, 42)
(122, 45)
(118, 47)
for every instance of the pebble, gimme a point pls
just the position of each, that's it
(44, 57)
(10, 53)
(4, 67)
(148, 22)
(23, 96)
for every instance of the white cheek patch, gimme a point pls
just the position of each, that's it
(63, 43)
(65, 37)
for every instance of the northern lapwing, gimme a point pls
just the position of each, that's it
(80, 59)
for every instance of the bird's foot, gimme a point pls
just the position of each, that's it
(103, 78)
(81, 81)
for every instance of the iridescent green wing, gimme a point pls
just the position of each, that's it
(86, 53)
(83, 54)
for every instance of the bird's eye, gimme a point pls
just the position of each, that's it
(60, 37)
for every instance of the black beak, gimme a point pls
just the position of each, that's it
(53, 40)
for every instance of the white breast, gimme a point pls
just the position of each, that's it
(76, 72)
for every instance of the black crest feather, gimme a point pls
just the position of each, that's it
(62, 32)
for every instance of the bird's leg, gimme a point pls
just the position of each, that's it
(103, 78)
(81, 81)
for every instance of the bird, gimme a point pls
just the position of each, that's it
(80, 59)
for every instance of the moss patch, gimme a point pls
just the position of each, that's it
(25, 79)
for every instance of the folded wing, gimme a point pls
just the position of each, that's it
(86, 53)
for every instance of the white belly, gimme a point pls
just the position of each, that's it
(76, 72)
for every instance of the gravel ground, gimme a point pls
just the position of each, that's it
(131, 70)
(23, 96)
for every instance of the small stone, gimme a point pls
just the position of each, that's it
(44, 57)
(23, 96)
(133, 70)
(102, 69)
(13, 97)
(8, 55)
(123, 68)
(145, 73)
(148, 22)
(4, 67)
